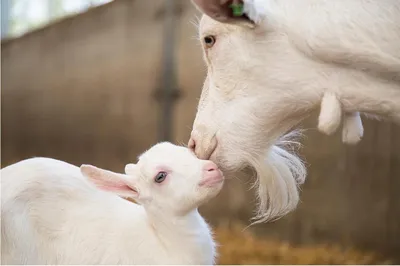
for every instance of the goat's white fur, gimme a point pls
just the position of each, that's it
(331, 115)
(264, 80)
(51, 214)
(352, 128)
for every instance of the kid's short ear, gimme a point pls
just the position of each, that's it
(130, 168)
(119, 184)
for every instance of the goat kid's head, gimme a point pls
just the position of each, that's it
(167, 178)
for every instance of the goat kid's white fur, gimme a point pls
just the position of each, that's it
(56, 213)
(263, 79)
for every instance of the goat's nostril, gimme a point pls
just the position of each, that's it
(202, 145)
(210, 167)
(192, 144)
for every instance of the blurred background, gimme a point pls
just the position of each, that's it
(100, 81)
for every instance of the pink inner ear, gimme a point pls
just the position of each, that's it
(114, 186)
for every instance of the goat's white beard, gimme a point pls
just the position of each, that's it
(278, 178)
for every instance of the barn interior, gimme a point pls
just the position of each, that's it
(99, 82)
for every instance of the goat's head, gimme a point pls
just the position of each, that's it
(253, 94)
(269, 67)
(167, 179)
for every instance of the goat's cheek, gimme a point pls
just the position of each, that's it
(209, 112)
(213, 53)
(207, 57)
(219, 55)
(237, 142)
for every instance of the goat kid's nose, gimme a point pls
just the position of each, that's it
(210, 167)
(202, 145)
(211, 175)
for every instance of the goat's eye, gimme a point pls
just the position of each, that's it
(160, 177)
(209, 41)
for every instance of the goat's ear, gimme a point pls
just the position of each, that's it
(223, 11)
(110, 181)
(130, 168)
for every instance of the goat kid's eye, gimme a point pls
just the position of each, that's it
(209, 41)
(160, 177)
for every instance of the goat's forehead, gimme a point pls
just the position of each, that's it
(172, 162)
(164, 153)
(209, 25)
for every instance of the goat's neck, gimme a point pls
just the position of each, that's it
(285, 122)
(187, 233)
(190, 224)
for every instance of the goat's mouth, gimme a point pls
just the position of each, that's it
(212, 181)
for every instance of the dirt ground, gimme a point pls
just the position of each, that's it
(242, 247)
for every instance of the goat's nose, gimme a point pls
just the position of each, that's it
(202, 145)
(210, 167)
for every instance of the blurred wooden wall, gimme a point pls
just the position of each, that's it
(82, 90)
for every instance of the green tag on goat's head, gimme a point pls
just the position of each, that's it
(237, 9)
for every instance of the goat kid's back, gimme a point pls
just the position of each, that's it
(49, 204)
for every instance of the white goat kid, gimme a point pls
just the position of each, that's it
(270, 69)
(52, 213)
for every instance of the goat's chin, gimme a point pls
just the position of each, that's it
(229, 158)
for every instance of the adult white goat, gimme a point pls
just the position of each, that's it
(270, 68)
(51, 214)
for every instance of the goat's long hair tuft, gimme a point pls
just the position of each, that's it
(278, 178)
